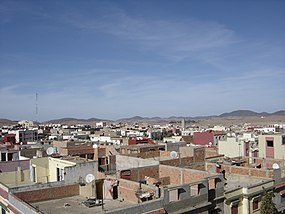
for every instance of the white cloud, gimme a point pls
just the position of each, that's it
(173, 39)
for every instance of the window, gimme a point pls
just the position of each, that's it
(283, 140)
(255, 204)
(3, 211)
(3, 157)
(269, 143)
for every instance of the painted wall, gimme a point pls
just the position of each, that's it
(78, 172)
(203, 138)
(278, 147)
(125, 162)
(231, 147)
(15, 178)
(55, 163)
(40, 170)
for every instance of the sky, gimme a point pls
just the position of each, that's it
(122, 58)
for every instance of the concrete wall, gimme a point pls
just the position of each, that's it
(19, 206)
(196, 197)
(55, 163)
(41, 170)
(87, 190)
(16, 177)
(126, 162)
(10, 166)
(149, 207)
(231, 147)
(78, 172)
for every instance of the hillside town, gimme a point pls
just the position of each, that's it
(140, 167)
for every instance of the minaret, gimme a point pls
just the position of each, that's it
(183, 124)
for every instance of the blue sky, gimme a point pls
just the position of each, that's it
(114, 59)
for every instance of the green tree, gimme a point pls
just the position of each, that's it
(267, 205)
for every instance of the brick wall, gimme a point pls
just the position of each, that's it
(48, 193)
(186, 161)
(149, 154)
(199, 154)
(211, 167)
(127, 190)
(258, 172)
(211, 152)
(137, 174)
(240, 170)
(179, 175)
(164, 153)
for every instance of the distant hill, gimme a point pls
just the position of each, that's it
(69, 121)
(237, 113)
(248, 113)
(140, 119)
(6, 122)
(240, 113)
(281, 113)
(73, 121)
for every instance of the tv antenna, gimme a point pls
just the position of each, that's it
(37, 110)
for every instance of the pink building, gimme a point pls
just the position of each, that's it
(203, 138)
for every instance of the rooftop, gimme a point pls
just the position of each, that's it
(236, 181)
(74, 205)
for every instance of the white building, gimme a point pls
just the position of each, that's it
(100, 124)
(26, 123)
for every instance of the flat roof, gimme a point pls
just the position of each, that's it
(57, 206)
(75, 159)
(236, 181)
(141, 146)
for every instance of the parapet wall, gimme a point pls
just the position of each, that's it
(240, 170)
(49, 193)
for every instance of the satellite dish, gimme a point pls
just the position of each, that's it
(89, 178)
(275, 166)
(95, 146)
(173, 154)
(50, 151)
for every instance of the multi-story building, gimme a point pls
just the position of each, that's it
(271, 146)
(25, 135)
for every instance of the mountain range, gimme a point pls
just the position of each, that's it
(237, 113)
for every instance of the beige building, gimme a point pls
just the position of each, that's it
(68, 169)
(244, 193)
(271, 146)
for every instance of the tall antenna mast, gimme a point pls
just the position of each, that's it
(36, 106)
